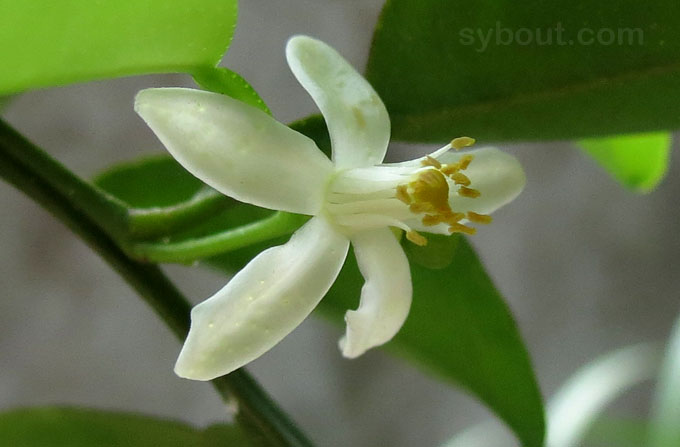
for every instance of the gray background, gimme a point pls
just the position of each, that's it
(585, 265)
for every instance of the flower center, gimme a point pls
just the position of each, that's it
(403, 195)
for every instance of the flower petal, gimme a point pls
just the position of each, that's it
(237, 149)
(497, 175)
(263, 303)
(386, 295)
(356, 117)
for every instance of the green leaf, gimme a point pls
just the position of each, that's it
(439, 80)
(227, 82)
(74, 427)
(71, 41)
(665, 430)
(638, 161)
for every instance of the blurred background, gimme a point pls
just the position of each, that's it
(585, 265)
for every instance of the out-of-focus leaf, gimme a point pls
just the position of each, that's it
(48, 43)
(580, 401)
(73, 427)
(665, 426)
(509, 70)
(638, 161)
(459, 329)
(224, 81)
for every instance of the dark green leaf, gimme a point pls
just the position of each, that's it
(638, 161)
(439, 79)
(49, 43)
(73, 427)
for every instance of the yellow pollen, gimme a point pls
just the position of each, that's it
(450, 169)
(454, 217)
(416, 238)
(472, 193)
(460, 179)
(465, 161)
(461, 142)
(429, 161)
(460, 228)
(430, 220)
(479, 218)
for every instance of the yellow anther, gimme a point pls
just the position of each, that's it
(472, 193)
(416, 238)
(465, 161)
(402, 194)
(460, 228)
(479, 218)
(461, 142)
(429, 161)
(450, 169)
(430, 220)
(460, 179)
(454, 218)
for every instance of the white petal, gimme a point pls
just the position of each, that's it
(356, 117)
(237, 149)
(263, 303)
(497, 175)
(386, 295)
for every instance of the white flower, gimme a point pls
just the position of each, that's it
(246, 154)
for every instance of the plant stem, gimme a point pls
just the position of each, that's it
(34, 173)
(114, 216)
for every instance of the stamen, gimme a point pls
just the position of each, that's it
(460, 179)
(427, 194)
(479, 218)
(416, 238)
(465, 161)
(454, 217)
(472, 193)
(450, 169)
(460, 228)
(430, 220)
(461, 142)
(429, 161)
